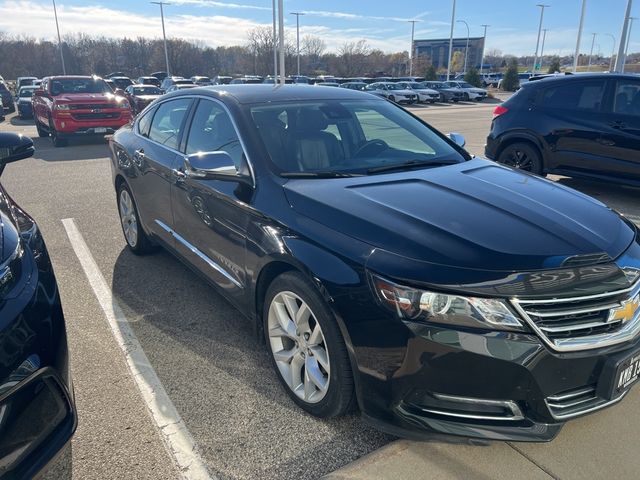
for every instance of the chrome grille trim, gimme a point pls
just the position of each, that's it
(552, 324)
(562, 406)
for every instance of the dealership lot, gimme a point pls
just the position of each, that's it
(213, 370)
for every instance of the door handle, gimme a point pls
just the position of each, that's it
(618, 124)
(138, 156)
(180, 175)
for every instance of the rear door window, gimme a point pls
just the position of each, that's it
(587, 96)
(168, 122)
(626, 98)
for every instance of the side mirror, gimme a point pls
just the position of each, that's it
(213, 166)
(118, 92)
(14, 147)
(457, 139)
(38, 92)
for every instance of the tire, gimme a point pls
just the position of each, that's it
(466, 97)
(392, 98)
(134, 234)
(522, 156)
(298, 346)
(55, 136)
(42, 133)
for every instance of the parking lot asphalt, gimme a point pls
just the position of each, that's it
(218, 377)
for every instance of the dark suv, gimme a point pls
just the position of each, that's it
(579, 125)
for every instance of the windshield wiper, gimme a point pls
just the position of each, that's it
(326, 174)
(411, 164)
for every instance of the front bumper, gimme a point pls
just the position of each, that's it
(68, 124)
(492, 385)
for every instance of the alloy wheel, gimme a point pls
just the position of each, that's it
(128, 218)
(299, 347)
(519, 159)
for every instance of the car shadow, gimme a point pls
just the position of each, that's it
(21, 122)
(77, 149)
(221, 379)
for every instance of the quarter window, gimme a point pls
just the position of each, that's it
(144, 123)
(574, 96)
(167, 122)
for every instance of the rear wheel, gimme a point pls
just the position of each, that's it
(307, 348)
(135, 236)
(522, 156)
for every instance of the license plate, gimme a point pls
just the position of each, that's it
(627, 375)
(100, 130)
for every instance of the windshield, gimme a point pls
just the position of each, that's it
(349, 137)
(393, 86)
(466, 85)
(26, 92)
(434, 85)
(146, 91)
(78, 85)
(415, 85)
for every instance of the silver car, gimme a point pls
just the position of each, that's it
(392, 91)
(425, 95)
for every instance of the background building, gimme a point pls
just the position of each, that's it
(438, 50)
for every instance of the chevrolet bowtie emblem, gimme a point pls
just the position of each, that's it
(5, 276)
(626, 311)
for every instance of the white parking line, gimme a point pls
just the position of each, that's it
(177, 438)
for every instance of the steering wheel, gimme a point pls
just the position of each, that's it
(371, 148)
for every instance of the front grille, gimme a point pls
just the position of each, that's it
(96, 116)
(590, 321)
(571, 403)
(91, 106)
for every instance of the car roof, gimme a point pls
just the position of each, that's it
(577, 77)
(261, 93)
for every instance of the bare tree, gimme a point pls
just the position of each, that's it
(352, 57)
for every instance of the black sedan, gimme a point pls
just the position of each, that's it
(383, 265)
(140, 96)
(37, 413)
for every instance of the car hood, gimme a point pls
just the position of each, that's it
(401, 92)
(427, 91)
(476, 215)
(147, 98)
(83, 97)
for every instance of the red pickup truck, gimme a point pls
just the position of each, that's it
(67, 106)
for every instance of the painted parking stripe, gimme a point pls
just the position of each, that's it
(175, 435)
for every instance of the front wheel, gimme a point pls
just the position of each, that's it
(392, 98)
(136, 238)
(466, 97)
(306, 347)
(522, 156)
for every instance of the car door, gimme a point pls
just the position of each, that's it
(154, 156)
(621, 129)
(211, 216)
(568, 114)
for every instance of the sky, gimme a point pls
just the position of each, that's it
(513, 30)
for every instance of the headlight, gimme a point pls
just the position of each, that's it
(454, 310)
(125, 104)
(61, 106)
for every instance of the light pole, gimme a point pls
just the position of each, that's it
(613, 50)
(484, 43)
(466, 50)
(411, 50)
(281, 41)
(297, 14)
(55, 13)
(453, 21)
(577, 54)
(620, 58)
(164, 35)
(593, 42)
(544, 38)
(535, 59)
(275, 43)
(626, 48)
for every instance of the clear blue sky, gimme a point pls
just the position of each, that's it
(513, 23)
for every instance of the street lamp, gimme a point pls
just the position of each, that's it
(453, 21)
(411, 49)
(544, 38)
(484, 43)
(626, 48)
(621, 57)
(535, 59)
(577, 53)
(55, 13)
(593, 41)
(297, 14)
(466, 50)
(164, 36)
(613, 50)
